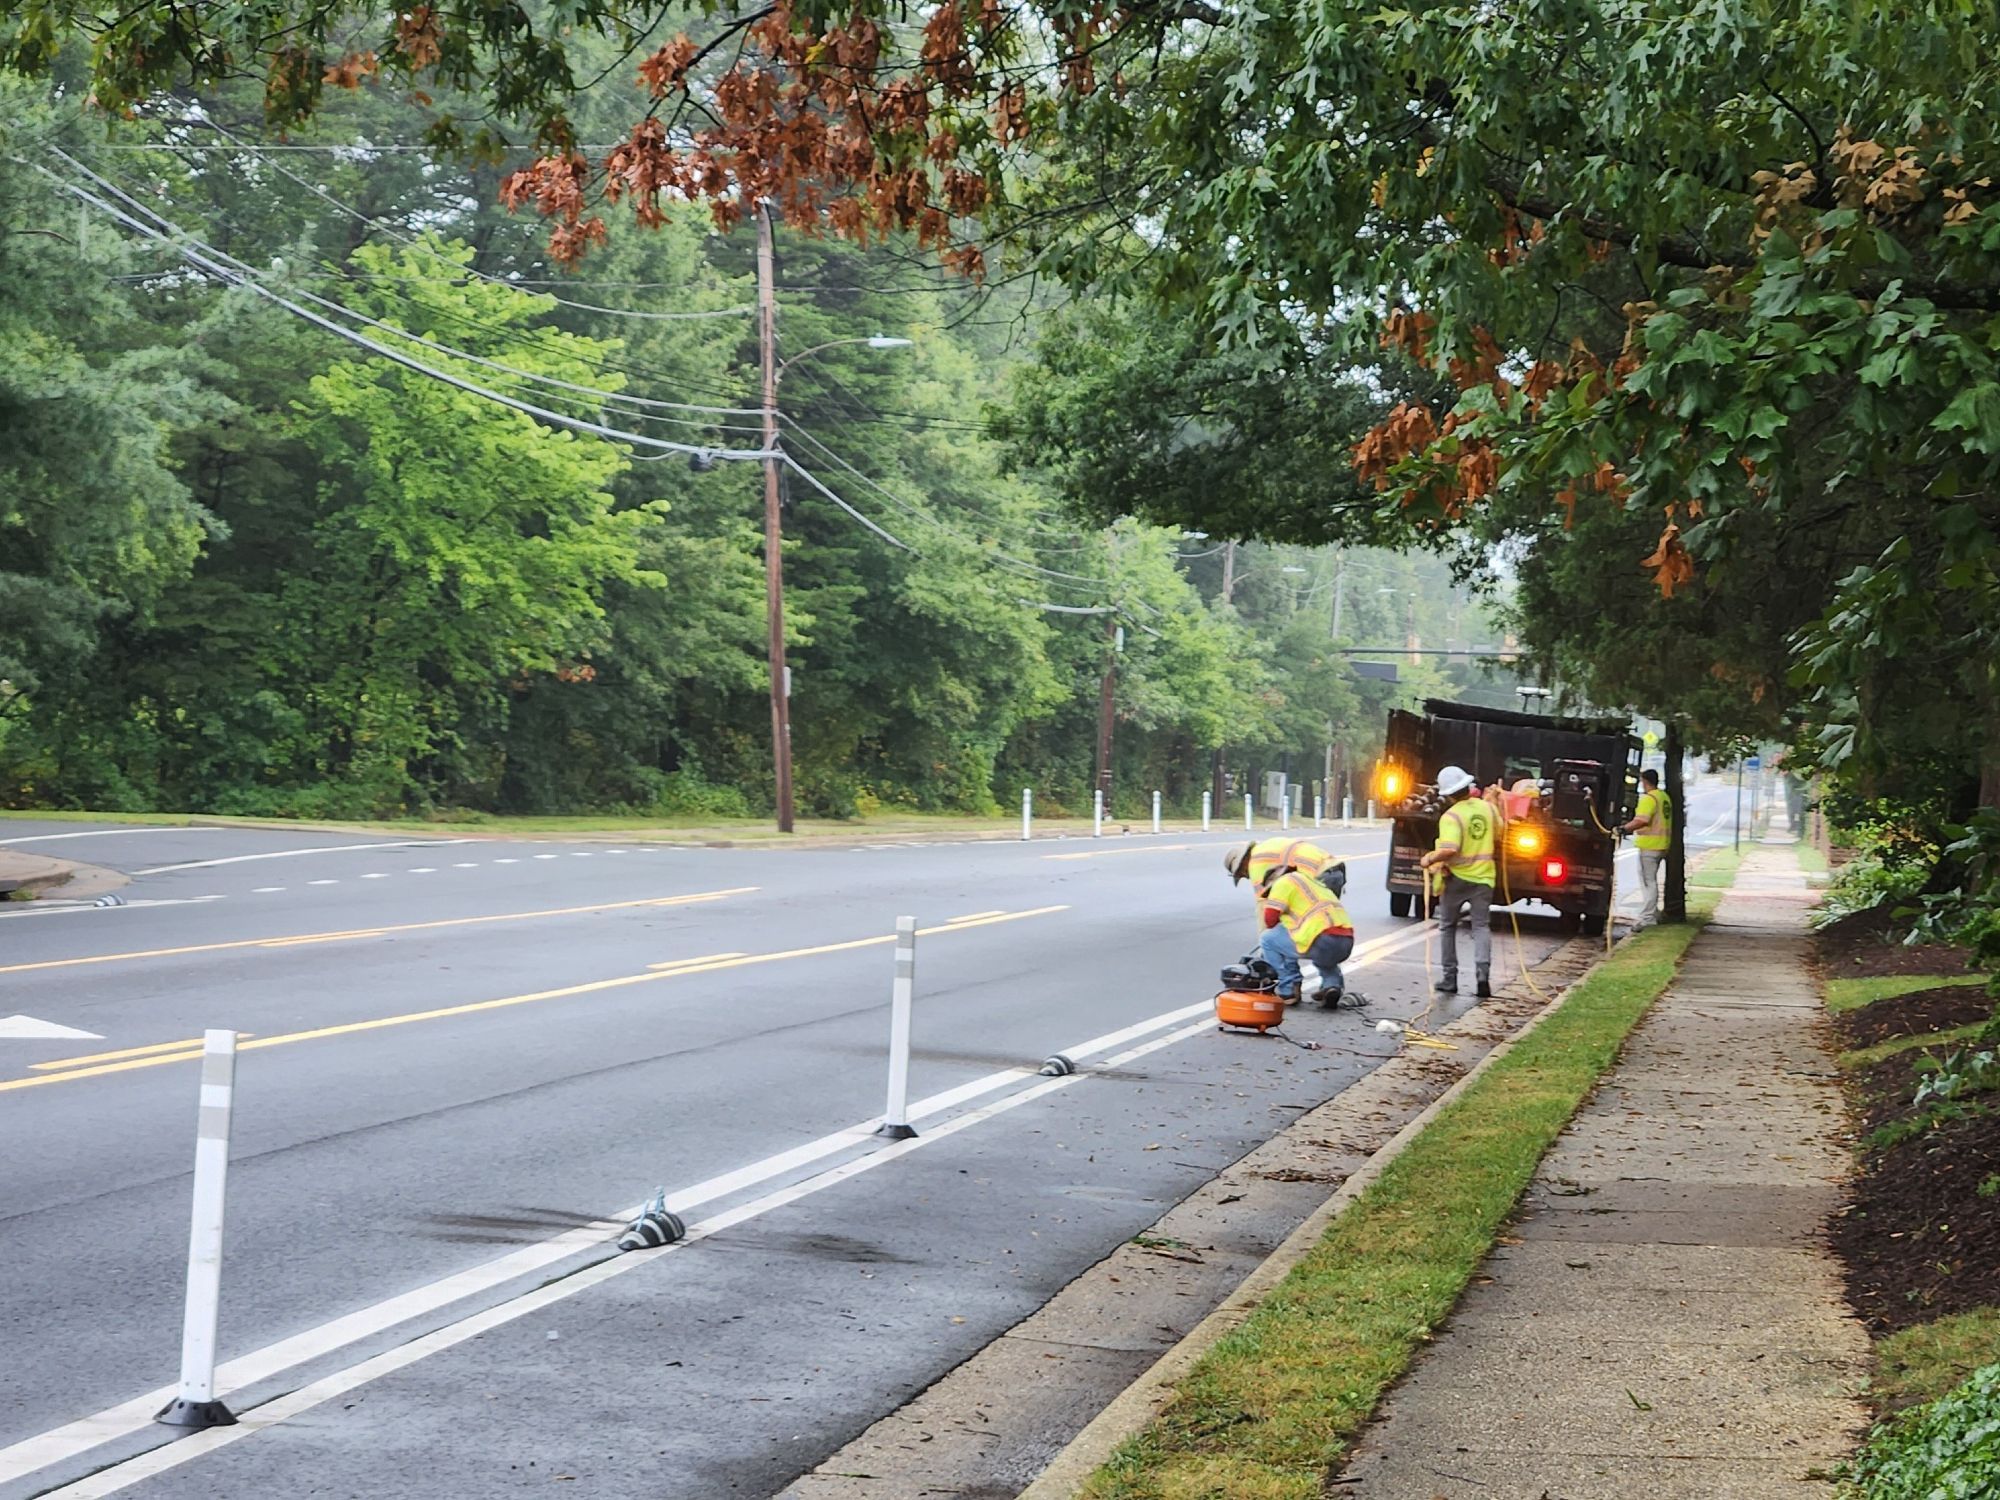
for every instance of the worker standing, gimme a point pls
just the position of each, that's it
(1305, 919)
(1653, 830)
(1464, 851)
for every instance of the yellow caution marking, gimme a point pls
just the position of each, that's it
(474, 1007)
(352, 934)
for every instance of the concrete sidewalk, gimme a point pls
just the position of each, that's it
(28, 876)
(1663, 1319)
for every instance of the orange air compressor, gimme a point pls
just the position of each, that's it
(1249, 997)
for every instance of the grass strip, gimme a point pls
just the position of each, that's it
(1267, 1411)
(1922, 1363)
(1852, 994)
(1864, 1057)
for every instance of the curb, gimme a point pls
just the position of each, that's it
(1143, 1400)
(29, 877)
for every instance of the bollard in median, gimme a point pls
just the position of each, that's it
(1371, 809)
(1249, 813)
(1319, 806)
(1156, 812)
(1207, 807)
(1027, 812)
(1347, 809)
(896, 1118)
(196, 1405)
(1097, 814)
(1285, 810)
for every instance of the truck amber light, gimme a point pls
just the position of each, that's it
(1554, 872)
(1392, 784)
(1527, 841)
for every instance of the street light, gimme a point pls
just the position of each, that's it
(774, 566)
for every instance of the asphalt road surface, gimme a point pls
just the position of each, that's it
(458, 1055)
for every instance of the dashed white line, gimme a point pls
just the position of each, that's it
(579, 854)
(375, 875)
(422, 870)
(548, 856)
(267, 890)
(506, 861)
(322, 882)
(468, 864)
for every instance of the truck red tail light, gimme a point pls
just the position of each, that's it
(1554, 872)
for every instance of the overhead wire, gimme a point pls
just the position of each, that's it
(230, 276)
(615, 399)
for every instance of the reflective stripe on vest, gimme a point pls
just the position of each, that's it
(1469, 826)
(1659, 830)
(1277, 854)
(1308, 910)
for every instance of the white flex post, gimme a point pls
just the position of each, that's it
(1027, 813)
(1097, 813)
(1371, 809)
(896, 1117)
(196, 1405)
(1249, 812)
(1347, 809)
(1156, 812)
(1319, 807)
(1207, 807)
(1285, 809)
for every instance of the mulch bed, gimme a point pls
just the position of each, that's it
(1866, 945)
(1916, 1014)
(1918, 1241)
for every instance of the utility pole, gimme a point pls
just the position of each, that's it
(1676, 893)
(1339, 590)
(774, 561)
(1228, 592)
(1106, 709)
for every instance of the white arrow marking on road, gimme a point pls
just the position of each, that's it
(29, 1029)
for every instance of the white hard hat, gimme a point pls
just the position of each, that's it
(1453, 779)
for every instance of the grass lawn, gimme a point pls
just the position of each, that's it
(1275, 1404)
(1922, 1363)
(1863, 1057)
(1851, 994)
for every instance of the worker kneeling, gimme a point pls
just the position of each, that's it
(1263, 862)
(1305, 919)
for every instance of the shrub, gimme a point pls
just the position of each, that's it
(1946, 1450)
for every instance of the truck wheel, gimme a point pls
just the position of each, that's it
(1593, 925)
(1401, 903)
(1569, 923)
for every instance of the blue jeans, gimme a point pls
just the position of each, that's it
(1328, 952)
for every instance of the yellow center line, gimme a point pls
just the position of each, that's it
(193, 1043)
(356, 933)
(689, 966)
(973, 916)
(681, 963)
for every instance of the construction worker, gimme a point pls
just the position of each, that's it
(1653, 830)
(1259, 860)
(1266, 859)
(1304, 919)
(1464, 853)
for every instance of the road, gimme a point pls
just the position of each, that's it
(458, 1052)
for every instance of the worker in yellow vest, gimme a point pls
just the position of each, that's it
(1464, 854)
(1304, 919)
(1260, 860)
(1653, 831)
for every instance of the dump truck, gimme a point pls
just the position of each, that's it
(1563, 785)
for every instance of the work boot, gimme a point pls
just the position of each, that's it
(1330, 998)
(1485, 988)
(1447, 985)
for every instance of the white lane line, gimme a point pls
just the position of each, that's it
(272, 1413)
(56, 1445)
(267, 890)
(422, 870)
(466, 864)
(548, 856)
(506, 861)
(322, 882)
(105, 833)
(244, 859)
(375, 875)
(579, 854)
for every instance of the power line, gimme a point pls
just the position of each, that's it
(231, 277)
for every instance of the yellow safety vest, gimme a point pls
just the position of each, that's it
(1468, 827)
(1658, 812)
(1278, 854)
(1308, 909)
